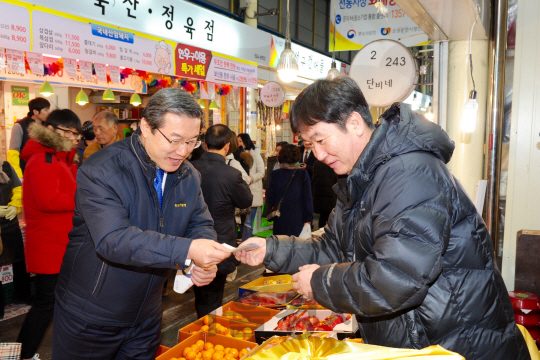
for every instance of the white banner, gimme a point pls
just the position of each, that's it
(101, 72)
(15, 60)
(223, 70)
(180, 21)
(14, 27)
(2, 59)
(35, 60)
(70, 65)
(311, 64)
(359, 22)
(86, 69)
(114, 72)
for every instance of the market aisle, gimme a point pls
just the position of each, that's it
(178, 310)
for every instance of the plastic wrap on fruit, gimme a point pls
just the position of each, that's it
(306, 346)
(268, 299)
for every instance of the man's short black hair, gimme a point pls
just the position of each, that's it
(217, 136)
(38, 104)
(65, 118)
(289, 154)
(281, 143)
(330, 101)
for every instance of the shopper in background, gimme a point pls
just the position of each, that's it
(140, 214)
(39, 108)
(272, 163)
(324, 197)
(243, 157)
(291, 186)
(48, 203)
(12, 241)
(230, 159)
(256, 173)
(308, 158)
(88, 136)
(105, 126)
(405, 248)
(223, 189)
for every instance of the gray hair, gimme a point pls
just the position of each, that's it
(109, 117)
(171, 100)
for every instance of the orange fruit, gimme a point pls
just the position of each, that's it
(186, 350)
(211, 351)
(205, 328)
(208, 320)
(242, 353)
(182, 358)
(227, 350)
(199, 355)
(219, 347)
(218, 355)
(195, 348)
(191, 355)
(237, 316)
(200, 344)
(208, 346)
(248, 331)
(207, 355)
(239, 335)
(228, 357)
(234, 353)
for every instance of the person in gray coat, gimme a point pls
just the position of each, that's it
(404, 249)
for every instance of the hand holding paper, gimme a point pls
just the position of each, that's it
(253, 257)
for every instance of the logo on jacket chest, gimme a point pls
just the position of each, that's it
(179, 205)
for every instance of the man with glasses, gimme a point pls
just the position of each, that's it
(105, 124)
(139, 214)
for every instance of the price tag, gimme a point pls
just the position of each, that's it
(70, 65)
(15, 61)
(273, 94)
(7, 274)
(386, 72)
(101, 72)
(35, 60)
(2, 59)
(86, 69)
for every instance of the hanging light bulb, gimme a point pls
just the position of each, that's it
(135, 100)
(213, 106)
(287, 67)
(46, 89)
(429, 115)
(470, 111)
(278, 127)
(82, 98)
(202, 104)
(333, 72)
(108, 94)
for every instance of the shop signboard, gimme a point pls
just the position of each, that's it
(53, 34)
(179, 21)
(359, 22)
(225, 70)
(14, 27)
(20, 95)
(386, 72)
(191, 61)
(311, 64)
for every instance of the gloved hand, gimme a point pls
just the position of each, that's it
(9, 212)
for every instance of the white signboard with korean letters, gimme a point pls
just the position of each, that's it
(359, 22)
(223, 70)
(386, 72)
(311, 64)
(14, 27)
(175, 20)
(273, 94)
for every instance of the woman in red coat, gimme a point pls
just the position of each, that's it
(49, 203)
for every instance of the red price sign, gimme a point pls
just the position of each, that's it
(18, 38)
(191, 61)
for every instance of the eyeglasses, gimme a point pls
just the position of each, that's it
(68, 134)
(193, 144)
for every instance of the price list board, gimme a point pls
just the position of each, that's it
(14, 27)
(225, 70)
(100, 44)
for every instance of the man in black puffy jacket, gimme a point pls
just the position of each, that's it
(223, 189)
(139, 215)
(404, 249)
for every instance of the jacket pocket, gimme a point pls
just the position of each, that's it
(100, 279)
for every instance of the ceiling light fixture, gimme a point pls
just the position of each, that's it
(287, 67)
(333, 72)
(46, 89)
(82, 98)
(135, 100)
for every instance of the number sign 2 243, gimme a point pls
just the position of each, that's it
(389, 61)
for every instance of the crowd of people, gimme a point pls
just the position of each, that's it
(109, 220)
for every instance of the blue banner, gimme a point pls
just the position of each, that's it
(113, 34)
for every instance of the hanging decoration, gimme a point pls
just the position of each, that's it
(188, 86)
(223, 89)
(124, 73)
(53, 68)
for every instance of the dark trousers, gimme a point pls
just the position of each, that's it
(74, 338)
(209, 297)
(40, 315)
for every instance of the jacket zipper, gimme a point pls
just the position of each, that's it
(99, 278)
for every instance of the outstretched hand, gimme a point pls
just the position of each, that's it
(253, 257)
(206, 253)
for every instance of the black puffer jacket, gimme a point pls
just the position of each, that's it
(407, 252)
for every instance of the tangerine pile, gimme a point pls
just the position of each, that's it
(207, 351)
(213, 328)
